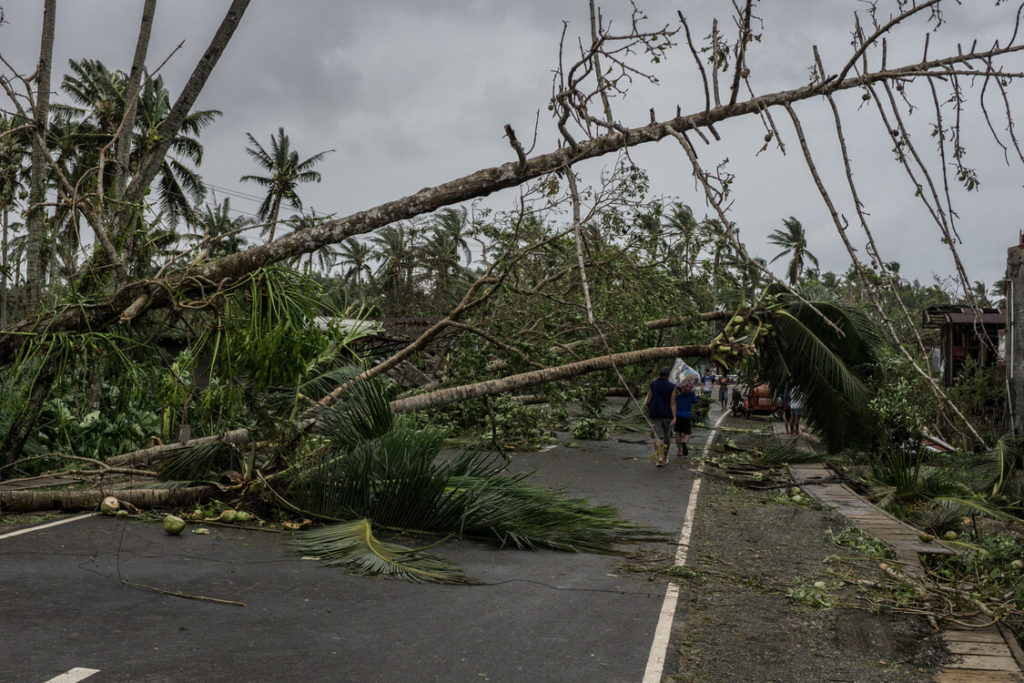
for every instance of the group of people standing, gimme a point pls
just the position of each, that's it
(670, 408)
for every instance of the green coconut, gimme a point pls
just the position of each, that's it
(950, 536)
(173, 524)
(1017, 565)
(241, 516)
(122, 513)
(110, 505)
(228, 516)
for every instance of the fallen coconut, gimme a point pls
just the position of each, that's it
(926, 538)
(241, 516)
(1017, 565)
(950, 536)
(110, 505)
(173, 524)
(122, 513)
(228, 516)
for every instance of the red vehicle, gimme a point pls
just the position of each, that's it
(758, 401)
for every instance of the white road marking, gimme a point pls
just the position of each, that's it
(74, 675)
(40, 527)
(662, 633)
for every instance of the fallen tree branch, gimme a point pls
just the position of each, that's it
(515, 382)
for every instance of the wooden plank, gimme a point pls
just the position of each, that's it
(961, 647)
(985, 635)
(969, 676)
(1011, 642)
(985, 663)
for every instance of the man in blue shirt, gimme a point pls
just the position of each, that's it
(659, 408)
(683, 399)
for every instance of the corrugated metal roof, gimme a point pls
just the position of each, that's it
(937, 316)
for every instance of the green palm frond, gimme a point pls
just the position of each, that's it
(196, 462)
(1001, 464)
(964, 506)
(825, 366)
(353, 546)
(361, 414)
(397, 480)
(511, 512)
(778, 454)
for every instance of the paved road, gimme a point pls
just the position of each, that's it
(542, 616)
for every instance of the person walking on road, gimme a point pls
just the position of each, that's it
(709, 382)
(683, 399)
(659, 409)
(723, 393)
(796, 409)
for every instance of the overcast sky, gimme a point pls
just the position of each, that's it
(411, 94)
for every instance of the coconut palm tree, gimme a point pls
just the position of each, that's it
(14, 151)
(793, 241)
(326, 256)
(828, 367)
(356, 255)
(682, 225)
(454, 222)
(392, 247)
(99, 106)
(179, 186)
(997, 294)
(284, 173)
(441, 257)
(221, 232)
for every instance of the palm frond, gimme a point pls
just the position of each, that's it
(1001, 463)
(361, 414)
(972, 506)
(779, 454)
(397, 480)
(511, 512)
(196, 462)
(824, 365)
(354, 546)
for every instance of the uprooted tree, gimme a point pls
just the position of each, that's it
(113, 304)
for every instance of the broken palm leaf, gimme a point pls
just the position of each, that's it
(353, 546)
(196, 462)
(362, 413)
(777, 454)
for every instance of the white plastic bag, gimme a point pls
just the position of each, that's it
(683, 376)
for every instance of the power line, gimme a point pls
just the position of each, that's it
(311, 212)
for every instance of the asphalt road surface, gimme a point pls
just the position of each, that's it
(540, 616)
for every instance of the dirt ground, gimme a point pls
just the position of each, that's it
(752, 612)
(767, 596)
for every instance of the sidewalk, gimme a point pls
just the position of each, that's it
(987, 653)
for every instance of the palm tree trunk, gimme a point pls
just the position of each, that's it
(150, 164)
(51, 268)
(37, 182)
(515, 382)
(3, 272)
(124, 140)
(32, 501)
(274, 213)
(24, 422)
